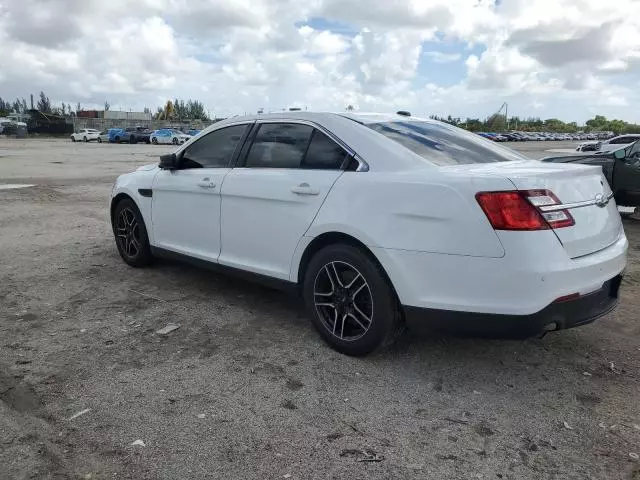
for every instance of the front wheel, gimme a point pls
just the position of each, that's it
(131, 234)
(154, 140)
(84, 139)
(73, 139)
(99, 140)
(175, 141)
(350, 301)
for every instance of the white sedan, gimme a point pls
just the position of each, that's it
(616, 143)
(85, 135)
(381, 221)
(168, 135)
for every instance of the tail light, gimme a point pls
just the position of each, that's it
(519, 210)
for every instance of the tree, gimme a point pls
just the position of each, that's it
(44, 104)
(349, 108)
(107, 106)
(64, 109)
(78, 107)
(5, 108)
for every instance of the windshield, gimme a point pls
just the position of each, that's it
(443, 145)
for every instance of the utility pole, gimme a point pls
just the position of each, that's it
(506, 114)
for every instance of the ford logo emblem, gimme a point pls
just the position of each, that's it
(601, 200)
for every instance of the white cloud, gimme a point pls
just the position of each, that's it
(440, 57)
(566, 58)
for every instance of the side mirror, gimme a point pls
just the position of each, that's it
(619, 154)
(169, 161)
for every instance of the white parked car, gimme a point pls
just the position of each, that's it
(168, 135)
(103, 137)
(85, 135)
(382, 220)
(617, 143)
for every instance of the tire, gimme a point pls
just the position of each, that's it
(132, 139)
(154, 140)
(117, 139)
(175, 141)
(130, 234)
(375, 300)
(99, 140)
(73, 139)
(84, 139)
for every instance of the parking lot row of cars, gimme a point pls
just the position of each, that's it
(543, 136)
(134, 135)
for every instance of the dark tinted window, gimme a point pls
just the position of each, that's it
(214, 149)
(623, 140)
(444, 144)
(279, 145)
(323, 153)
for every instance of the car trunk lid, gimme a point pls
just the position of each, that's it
(581, 189)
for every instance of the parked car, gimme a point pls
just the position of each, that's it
(168, 135)
(380, 221)
(589, 146)
(85, 135)
(131, 135)
(106, 135)
(621, 169)
(616, 143)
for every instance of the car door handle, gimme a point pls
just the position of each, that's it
(206, 184)
(305, 189)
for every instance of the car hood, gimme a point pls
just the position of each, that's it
(146, 168)
(575, 158)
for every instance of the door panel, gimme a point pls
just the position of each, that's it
(186, 211)
(265, 212)
(627, 180)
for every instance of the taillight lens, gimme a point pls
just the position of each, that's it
(519, 210)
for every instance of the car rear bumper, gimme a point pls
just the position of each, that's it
(559, 315)
(525, 281)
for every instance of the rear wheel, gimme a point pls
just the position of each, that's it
(350, 300)
(175, 141)
(84, 139)
(99, 140)
(154, 140)
(131, 234)
(73, 139)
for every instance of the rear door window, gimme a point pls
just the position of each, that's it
(444, 145)
(279, 145)
(323, 153)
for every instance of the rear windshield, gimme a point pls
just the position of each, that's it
(443, 144)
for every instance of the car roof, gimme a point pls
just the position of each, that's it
(348, 128)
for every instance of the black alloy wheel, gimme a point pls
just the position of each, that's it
(350, 300)
(131, 234)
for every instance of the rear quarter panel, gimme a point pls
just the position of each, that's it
(429, 211)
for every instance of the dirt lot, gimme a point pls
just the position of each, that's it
(245, 388)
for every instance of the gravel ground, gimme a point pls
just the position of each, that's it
(245, 388)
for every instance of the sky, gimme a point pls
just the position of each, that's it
(567, 59)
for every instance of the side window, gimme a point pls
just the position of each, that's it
(323, 153)
(279, 145)
(620, 141)
(215, 149)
